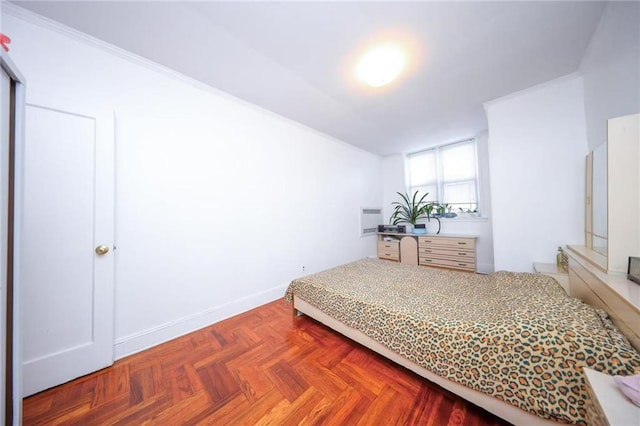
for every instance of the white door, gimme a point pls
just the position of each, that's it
(68, 222)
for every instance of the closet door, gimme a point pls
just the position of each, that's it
(66, 256)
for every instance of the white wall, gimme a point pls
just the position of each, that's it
(537, 147)
(219, 203)
(394, 180)
(611, 69)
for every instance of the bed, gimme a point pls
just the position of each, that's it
(512, 343)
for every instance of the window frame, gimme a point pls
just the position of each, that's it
(440, 182)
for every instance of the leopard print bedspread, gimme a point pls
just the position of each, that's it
(515, 336)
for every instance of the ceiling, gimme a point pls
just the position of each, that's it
(297, 58)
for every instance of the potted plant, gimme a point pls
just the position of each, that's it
(469, 212)
(410, 209)
(449, 214)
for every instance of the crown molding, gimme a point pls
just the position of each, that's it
(64, 30)
(550, 83)
(55, 26)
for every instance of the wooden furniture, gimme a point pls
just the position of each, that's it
(389, 249)
(612, 199)
(623, 191)
(409, 250)
(613, 293)
(554, 272)
(607, 405)
(441, 251)
(398, 248)
(452, 252)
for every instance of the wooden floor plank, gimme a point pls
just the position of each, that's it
(264, 366)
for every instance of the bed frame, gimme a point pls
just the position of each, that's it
(504, 410)
(614, 294)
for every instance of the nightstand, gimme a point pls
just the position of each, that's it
(607, 405)
(552, 270)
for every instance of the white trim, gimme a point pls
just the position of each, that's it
(55, 26)
(145, 339)
(464, 219)
(19, 81)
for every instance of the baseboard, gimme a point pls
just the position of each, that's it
(146, 339)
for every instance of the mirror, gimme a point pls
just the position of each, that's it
(599, 200)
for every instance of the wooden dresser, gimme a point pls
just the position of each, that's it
(613, 292)
(452, 252)
(442, 251)
(389, 250)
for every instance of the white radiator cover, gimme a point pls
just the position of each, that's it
(370, 218)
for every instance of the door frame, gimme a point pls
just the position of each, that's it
(13, 384)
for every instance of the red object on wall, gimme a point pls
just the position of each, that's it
(4, 42)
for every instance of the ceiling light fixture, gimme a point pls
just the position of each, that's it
(381, 65)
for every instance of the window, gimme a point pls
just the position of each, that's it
(448, 173)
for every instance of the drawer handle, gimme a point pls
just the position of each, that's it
(427, 260)
(462, 254)
(427, 251)
(462, 264)
(462, 242)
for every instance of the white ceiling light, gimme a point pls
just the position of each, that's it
(381, 65)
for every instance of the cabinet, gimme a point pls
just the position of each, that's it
(612, 199)
(398, 247)
(606, 404)
(452, 252)
(389, 250)
(442, 251)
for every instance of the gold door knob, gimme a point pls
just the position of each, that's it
(102, 250)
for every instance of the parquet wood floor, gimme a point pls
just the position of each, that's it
(262, 367)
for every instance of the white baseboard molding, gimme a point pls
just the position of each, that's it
(146, 339)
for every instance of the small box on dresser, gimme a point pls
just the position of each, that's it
(450, 251)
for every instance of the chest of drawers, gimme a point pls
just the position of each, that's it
(389, 250)
(452, 252)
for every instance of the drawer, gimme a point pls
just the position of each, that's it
(445, 263)
(389, 246)
(389, 255)
(430, 251)
(458, 242)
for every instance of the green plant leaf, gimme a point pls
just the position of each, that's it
(410, 209)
